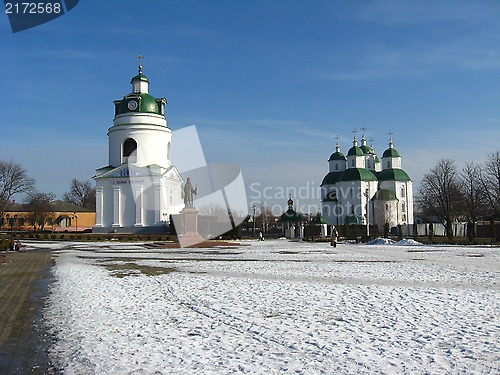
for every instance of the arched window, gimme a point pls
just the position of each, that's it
(168, 151)
(129, 146)
(336, 167)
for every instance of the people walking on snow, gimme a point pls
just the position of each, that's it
(261, 236)
(335, 236)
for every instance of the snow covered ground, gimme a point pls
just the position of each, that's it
(274, 307)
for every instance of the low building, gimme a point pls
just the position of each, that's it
(60, 216)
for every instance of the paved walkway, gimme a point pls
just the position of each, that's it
(23, 284)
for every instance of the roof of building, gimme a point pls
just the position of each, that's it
(291, 216)
(355, 151)
(56, 206)
(393, 174)
(337, 156)
(367, 149)
(391, 153)
(331, 178)
(357, 174)
(146, 103)
(139, 77)
(318, 220)
(385, 195)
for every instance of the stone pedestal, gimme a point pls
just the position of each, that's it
(190, 235)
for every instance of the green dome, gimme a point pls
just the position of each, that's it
(318, 220)
(393, 174)
(145, 104)
(148, 104)
(355, 151)
(391, 153)
(357, 174)
(331, 178)
(366, 149)
(139, 77)
(385, 195)
(291, 216)
(337, 156)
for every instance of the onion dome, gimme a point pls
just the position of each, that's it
(139, 99)
(355, 150)
(385, 195)
(337, 155)
(366, 149)
(391, 152)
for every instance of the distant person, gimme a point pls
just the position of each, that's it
(335, 236)
(20, 246)
(261, 236)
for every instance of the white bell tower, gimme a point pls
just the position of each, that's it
(140, 188)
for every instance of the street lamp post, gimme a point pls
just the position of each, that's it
(253, 208)
(367, 194)
(76, 221)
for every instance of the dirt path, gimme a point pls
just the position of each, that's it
(23, 285)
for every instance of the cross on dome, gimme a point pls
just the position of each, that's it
(140, 57)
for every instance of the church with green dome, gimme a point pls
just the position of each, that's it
(360, 188)
(140, 188)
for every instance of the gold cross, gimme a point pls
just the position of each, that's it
(140, 57)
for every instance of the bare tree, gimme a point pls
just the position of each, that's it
(473, 195)
(81, 193)
(491, 183)
(13, 180)
(439, 195)
(40, 206)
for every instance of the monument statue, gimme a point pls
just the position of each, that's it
(189, 193)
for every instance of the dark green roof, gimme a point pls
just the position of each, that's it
(146, 103)
(366, 149)
(391, 153)
(331, 178)
(56, 206)
(357, 174)
(139, 77)
(385, 195)
(318, 220)
(337, 156)
(353, 219)
(393, 174)
(355, 151)
(291, 216)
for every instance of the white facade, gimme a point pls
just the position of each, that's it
(140, 188)
(361, 189)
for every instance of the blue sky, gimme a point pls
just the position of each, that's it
(269, 84)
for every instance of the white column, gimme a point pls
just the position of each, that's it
(139, 217)
(157, 204)
(116, 206)
(98, 206)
